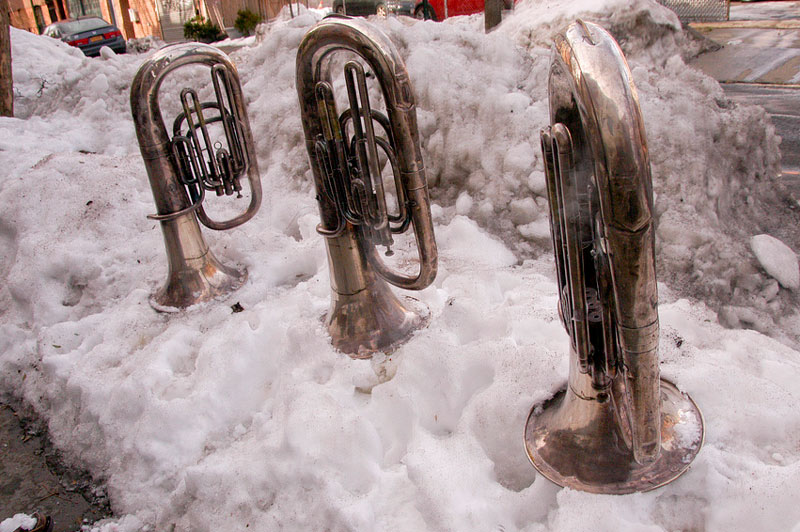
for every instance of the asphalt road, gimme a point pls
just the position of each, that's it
(782, 103)
(33, 479)
(759, 63)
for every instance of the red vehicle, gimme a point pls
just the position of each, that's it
(441, 9)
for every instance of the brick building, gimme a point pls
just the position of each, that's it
(34, 15)
(137, 18)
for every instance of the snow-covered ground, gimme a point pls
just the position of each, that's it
(214, 420)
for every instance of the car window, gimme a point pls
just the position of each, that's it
(79, 26)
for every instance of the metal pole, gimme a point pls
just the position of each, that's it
(111, 14)
(492, 13)
(6, 81)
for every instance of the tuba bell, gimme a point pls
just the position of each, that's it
(345, 150)
(617, 427)
(184, 165)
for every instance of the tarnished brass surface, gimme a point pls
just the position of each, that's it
(576, 443)
(365, 316)
(618, 427)
(195, 275)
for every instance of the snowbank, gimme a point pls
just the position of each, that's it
(210, 419)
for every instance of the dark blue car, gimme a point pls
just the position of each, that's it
(373, 7)
(88, 33)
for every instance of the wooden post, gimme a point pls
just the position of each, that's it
(6, 83)
(492, 13)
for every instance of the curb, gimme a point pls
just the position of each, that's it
(756, 24)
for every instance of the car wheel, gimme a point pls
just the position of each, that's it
(340, 10)
(424, 11)
(380, 10)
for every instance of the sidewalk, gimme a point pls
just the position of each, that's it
(28, 485)
(760, 44)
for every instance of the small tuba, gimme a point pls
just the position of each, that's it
(183, 166)
(618, 427)
(343, 149)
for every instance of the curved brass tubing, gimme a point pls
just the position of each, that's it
(183, 166)
(617, 427)
(365, 316)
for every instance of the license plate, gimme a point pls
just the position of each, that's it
(96, 38)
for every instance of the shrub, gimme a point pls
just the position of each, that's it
(200, 29)
(246, 21)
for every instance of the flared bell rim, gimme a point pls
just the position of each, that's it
(609, 467)
(213, 282)
(404, 316)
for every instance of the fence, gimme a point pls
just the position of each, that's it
(225, 11)
(80, 8)
(699, 10)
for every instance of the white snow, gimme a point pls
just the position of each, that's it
(212, 420)
(23, 521)
(777, 259)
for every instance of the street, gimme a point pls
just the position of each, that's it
(759, 63)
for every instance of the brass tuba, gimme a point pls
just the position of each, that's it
(343, 149)
(184, 165)
(618, 427)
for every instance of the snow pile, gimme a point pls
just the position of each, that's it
(211, 419)
(57, 88)
(481, 102)
(715, 186)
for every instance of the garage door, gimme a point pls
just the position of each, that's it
(82, 8)
(173, 14)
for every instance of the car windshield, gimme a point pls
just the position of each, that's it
(79, 26)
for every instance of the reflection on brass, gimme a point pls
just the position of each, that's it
(617, 427)
(346, 151)
(186, 163)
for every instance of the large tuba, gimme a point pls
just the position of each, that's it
(185, 164)
(618, 427)
(345, 151)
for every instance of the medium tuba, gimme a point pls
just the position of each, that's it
(185, 165)
(345, 150)
(618, 427)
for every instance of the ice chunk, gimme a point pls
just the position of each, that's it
(777, 259)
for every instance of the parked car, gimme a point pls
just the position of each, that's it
(87, 33)
(435, 9)
(373, 7)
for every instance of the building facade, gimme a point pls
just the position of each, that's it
(34, 15)
(163, 19)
